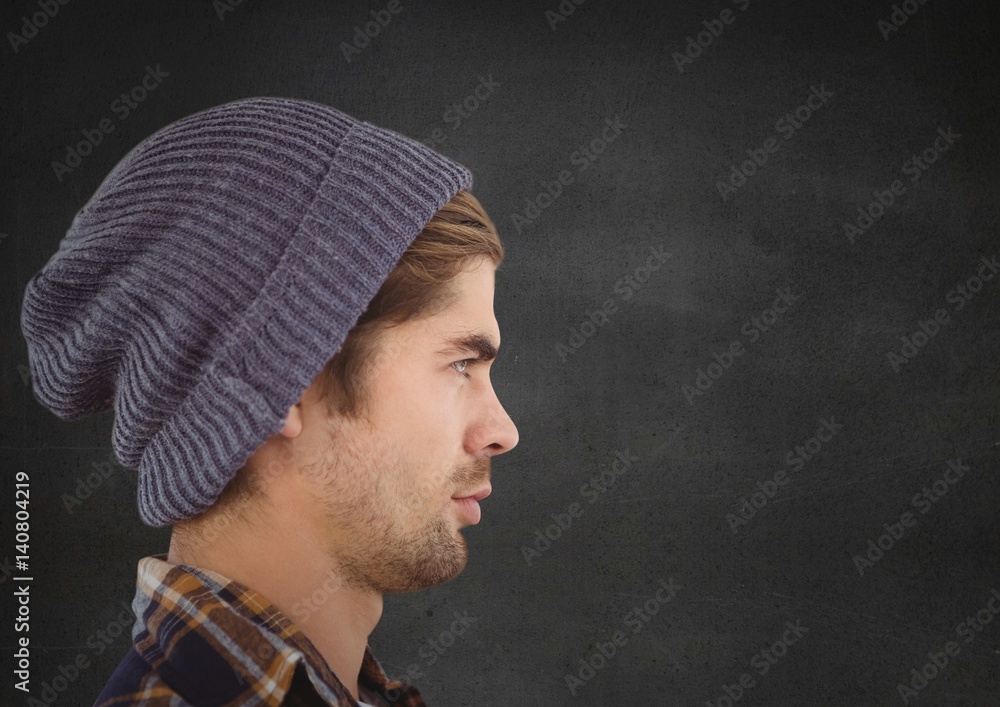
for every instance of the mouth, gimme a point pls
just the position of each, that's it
(477, 495)
(468, 504)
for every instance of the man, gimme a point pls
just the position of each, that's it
(291, 313)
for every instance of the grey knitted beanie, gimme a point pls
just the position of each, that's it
(213, 273)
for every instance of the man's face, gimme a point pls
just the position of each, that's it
(387, 488)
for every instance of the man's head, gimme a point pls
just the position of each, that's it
(217, 269)
(400, 423)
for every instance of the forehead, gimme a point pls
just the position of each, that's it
(467, 322)
(472, 294)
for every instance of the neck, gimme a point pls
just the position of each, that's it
(300, 579)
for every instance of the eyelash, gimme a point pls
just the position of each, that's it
(468, 362)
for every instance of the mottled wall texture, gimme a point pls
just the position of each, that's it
(749, 315)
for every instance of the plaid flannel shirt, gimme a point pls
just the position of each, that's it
(202, 639)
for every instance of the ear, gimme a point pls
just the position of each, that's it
(293, 422)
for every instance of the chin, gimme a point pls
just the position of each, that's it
(437, 569)
(410, 565)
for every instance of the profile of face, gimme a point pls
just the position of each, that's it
(388, 494)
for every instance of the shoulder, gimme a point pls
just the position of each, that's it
(135, 682)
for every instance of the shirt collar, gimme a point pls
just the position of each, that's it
(198, 628)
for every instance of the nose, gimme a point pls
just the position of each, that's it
(495, 433)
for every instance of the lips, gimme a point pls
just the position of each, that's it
(469, 503)
(478, 495)
(469, 508)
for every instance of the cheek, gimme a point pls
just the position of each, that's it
(429, 425)
(420, 430)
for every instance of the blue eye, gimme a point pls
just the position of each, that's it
(466, 361)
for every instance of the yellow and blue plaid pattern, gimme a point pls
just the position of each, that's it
(202, 639)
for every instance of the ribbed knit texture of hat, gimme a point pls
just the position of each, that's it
(218, 267)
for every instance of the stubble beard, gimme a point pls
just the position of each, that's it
(373, 552)
(391, 561)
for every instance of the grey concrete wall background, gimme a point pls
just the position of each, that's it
(779, 431)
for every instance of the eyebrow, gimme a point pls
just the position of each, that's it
(478, 344)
